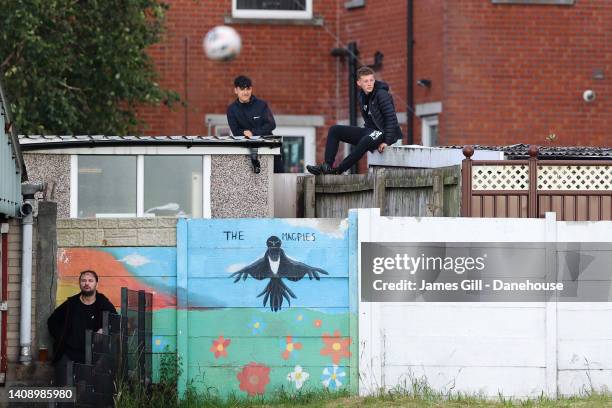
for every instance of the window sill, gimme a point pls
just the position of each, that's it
(538, 2)
(315, 21)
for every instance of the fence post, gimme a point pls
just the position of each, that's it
(123, 333)
(309, 197)
(141, 334)
(533, 182)
(69, 373)
(438, 193)
(466, 182)
(88, 346)
(380, 176)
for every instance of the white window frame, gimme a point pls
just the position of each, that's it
(273, 14)
(308, 133)
(74, 186)
(426, 124)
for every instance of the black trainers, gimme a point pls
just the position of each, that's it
(322, 168)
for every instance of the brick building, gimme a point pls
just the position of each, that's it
(484, 71)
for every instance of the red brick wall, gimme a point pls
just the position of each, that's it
(290, 65)
(428, 55)
(514, 73)
(504, 73)
(379, 26)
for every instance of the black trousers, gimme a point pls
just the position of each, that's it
(363, 139)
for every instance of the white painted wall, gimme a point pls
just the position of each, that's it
(511, 349)
(426, 157)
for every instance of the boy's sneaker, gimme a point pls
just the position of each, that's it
(322, 168)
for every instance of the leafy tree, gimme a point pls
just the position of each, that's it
(80, 66)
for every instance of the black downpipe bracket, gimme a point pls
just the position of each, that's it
(410, 73)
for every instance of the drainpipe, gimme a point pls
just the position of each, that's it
(25, 322)
(4, 255)
(410, 72)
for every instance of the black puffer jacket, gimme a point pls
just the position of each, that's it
(381, 112)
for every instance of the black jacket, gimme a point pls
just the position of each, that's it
(254, 115)
(60, 321)
(381, 112)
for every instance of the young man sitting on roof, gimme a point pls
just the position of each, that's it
(380, 126)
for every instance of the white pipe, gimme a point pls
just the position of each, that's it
(25, 323)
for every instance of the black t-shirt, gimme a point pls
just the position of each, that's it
(369, 122)
(83, 318)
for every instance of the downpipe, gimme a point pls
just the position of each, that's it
(27, 221)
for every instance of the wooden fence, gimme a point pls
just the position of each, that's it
(396, 191)
(575, 190)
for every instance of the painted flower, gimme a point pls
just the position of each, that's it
(219, 347)
(289, 347)
(336, 347)
(332, 377)
(298, 376)
(299, 318)
(257, 325)
(253, 378)
(318, 323)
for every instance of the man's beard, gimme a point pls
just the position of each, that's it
(87, 293)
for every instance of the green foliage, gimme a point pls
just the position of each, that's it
(79, 66)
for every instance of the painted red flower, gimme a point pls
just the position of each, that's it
(336, 347)
(219, 347)
(253, 378)
(318, 323)
(289, 347)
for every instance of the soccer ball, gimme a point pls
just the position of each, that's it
(222, 43)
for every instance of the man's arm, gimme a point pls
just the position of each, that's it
(56, 321)
(233, 122)
(269, 124)
(390, 118)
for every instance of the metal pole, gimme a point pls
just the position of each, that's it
(352, 82)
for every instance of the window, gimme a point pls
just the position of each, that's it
(299, 148)
(272, 9)
(173, 186)
(106, 186)
(139, 185)
(429, 131)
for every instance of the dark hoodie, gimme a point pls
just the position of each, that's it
(254, 115)
(67, 325)
(380, 112)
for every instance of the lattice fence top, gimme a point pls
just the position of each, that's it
(568, 178)
(502, 177)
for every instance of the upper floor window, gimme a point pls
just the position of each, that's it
(274, 9)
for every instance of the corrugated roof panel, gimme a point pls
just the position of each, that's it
(10, 172)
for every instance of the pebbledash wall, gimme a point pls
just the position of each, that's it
(228, 340)
(235, 191)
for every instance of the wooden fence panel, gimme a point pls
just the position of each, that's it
(396, 191)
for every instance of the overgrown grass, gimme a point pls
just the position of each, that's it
(415, 392)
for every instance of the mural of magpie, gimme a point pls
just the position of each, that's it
(275, 265)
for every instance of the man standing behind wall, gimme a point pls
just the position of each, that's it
(68, 323)
(249, 116)
(380, 126)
